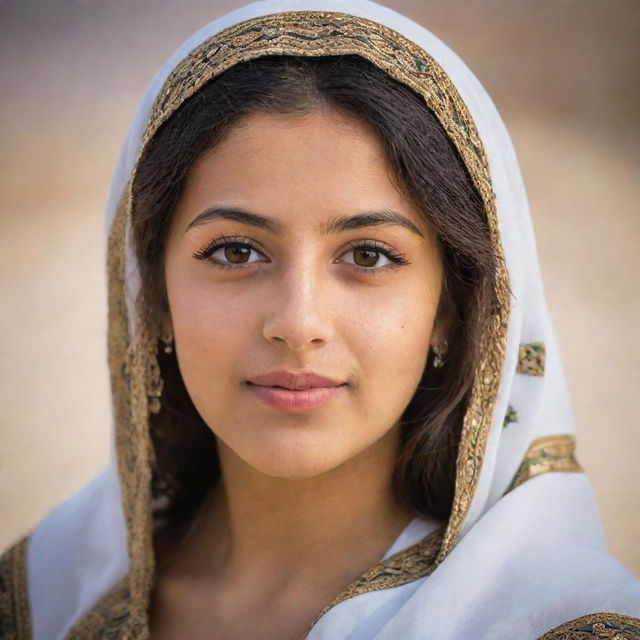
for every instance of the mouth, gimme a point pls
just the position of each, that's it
(294, 380)
(295, 400)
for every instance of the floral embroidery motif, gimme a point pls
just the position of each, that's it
(531, 358)
(549, 453)
(597, 625)
(510, 416)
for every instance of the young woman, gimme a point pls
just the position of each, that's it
(339, 408)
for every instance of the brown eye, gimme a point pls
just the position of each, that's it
(229, 254)
(236, 254)
(365, 257)
(232, 254)
(368, 256)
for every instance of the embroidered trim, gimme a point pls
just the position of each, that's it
(549, 453)
(15, 619)
(597, 625)
(131, 378)
(405, 566)
(531, 359)
(110, 618)
(132, 366)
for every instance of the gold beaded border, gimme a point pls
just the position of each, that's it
(549, 453)
(417, 561)
(597, 625)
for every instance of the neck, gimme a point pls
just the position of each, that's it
(257, 525)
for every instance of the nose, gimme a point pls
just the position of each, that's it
(299, 310)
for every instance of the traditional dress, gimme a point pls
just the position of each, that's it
(522, 554)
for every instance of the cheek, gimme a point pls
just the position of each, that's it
(204, 318)
(211, 331)
(397, 327)
(392, 341)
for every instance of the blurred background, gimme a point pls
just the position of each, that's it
(565, 74)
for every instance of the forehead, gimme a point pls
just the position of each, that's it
(326, 162)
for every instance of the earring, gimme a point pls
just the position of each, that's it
(440, 351)
(168, 347)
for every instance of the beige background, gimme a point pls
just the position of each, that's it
(564, 74)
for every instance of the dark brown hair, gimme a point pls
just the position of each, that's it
(426, 167)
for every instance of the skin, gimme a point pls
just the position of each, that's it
(302, 491)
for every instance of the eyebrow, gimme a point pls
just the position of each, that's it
(336, 225)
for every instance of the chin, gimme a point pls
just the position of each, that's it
(295, 460)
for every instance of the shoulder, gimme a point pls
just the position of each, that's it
(597, 625)
(15, 622)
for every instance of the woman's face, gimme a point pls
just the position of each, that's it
(315, 283)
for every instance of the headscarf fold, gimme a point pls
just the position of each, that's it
(523, 550)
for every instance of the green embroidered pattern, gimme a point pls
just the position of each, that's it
(421, 65)
(510, 416)
(549, 453)
(531, 359)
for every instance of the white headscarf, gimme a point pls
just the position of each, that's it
(519, 557)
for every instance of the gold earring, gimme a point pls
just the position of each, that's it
(439, 351)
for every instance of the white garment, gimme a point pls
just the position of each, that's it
(524, 563)
(415, 531)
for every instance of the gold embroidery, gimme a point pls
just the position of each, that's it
(15, 619)
(549, 453)
(110, 617)
(612, 626)
(405, 566)
(132, 365)
(131, 378)
(531, 359)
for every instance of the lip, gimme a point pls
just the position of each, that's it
(295, 392)
(293, 380)
(295, 401)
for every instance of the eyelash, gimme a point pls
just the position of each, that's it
(397, 259)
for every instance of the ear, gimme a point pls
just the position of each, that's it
(440, 330)
(166, 324)
(443, 321)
